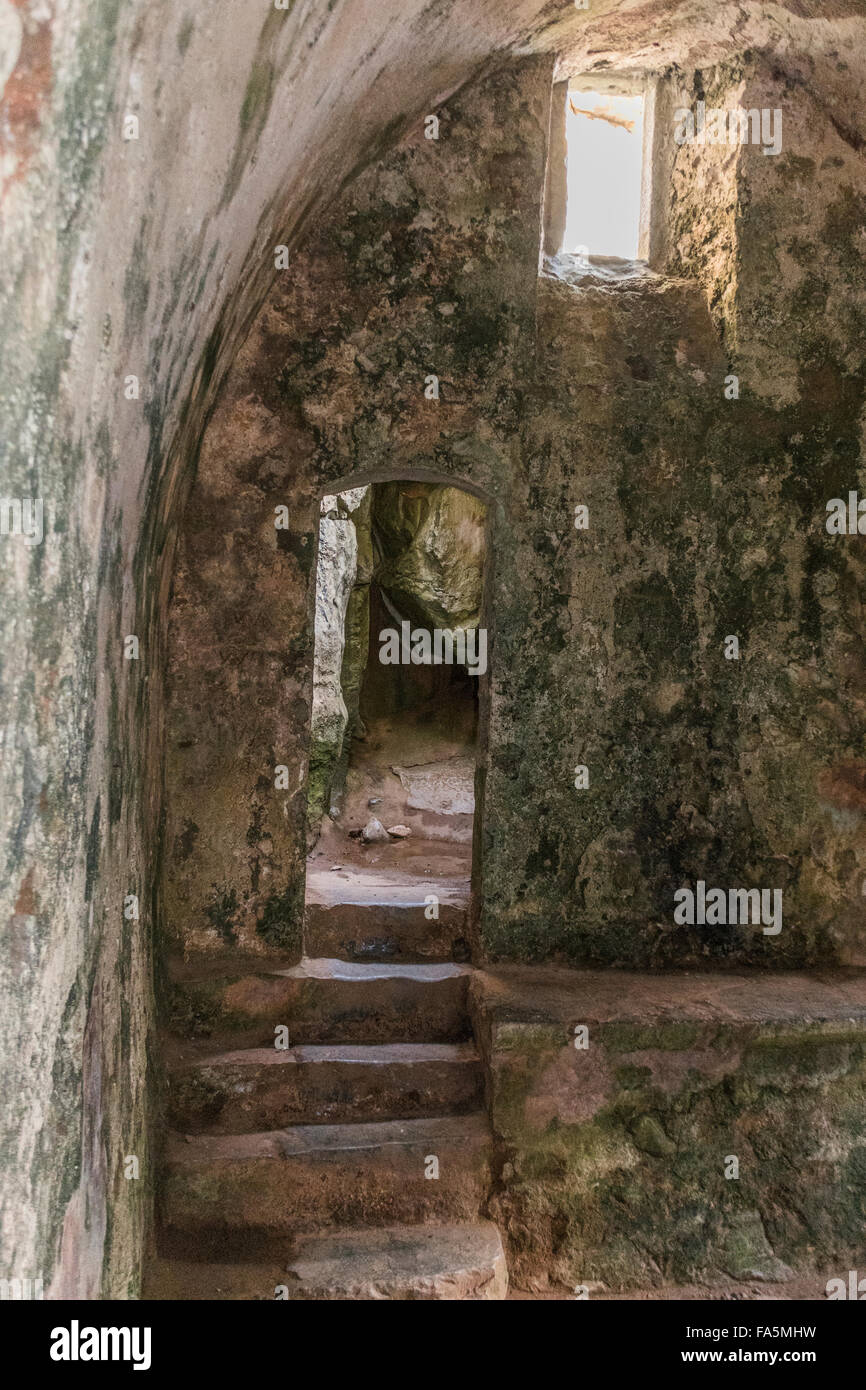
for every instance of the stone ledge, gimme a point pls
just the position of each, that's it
(614, 1159)
(554, 996)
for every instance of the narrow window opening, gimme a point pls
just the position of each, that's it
(604, 137)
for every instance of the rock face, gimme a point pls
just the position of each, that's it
(430, 552)
(336, 574)
(445, 787)
(357, 632)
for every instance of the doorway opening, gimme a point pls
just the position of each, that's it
(400, 662)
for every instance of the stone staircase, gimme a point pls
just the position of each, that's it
(311, 1172)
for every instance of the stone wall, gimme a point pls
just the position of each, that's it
(635, 395)
(674, 1130)
(428, 268)
(706, 463)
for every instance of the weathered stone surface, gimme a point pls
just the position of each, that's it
(615, 1155)
(608, 390)
(386, 916)
(445, 788)
(403, 1263)
(357, 638)
(430, 545)
(261, 1188)
(368, 286)
(261, 1088)
(417, 1263)
(324, 1001)
(336, 571)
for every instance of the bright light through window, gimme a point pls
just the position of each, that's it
(604, 137)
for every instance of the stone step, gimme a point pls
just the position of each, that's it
(406, 1263)
(382, 917)
(242, 1196)
(391, 933)
(401, 1262)
(328, 1001)
(171, 1280)
(266, 1089)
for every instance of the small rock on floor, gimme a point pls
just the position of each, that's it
(374, 832)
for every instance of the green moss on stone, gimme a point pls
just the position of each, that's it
(281, 920)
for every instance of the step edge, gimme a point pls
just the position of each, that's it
(457, 1054)
(188, 1150)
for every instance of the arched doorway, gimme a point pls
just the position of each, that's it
(398, 720)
